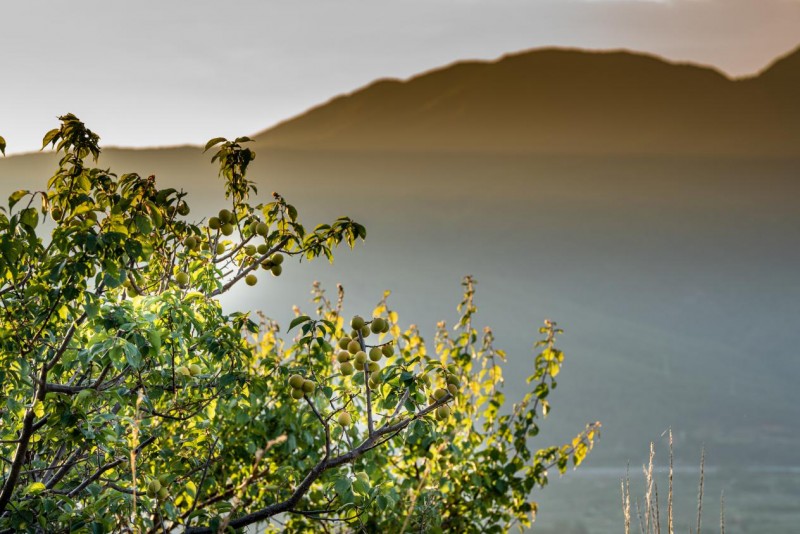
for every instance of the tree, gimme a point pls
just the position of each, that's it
(132, 402)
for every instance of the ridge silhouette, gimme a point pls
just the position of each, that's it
(562, 101)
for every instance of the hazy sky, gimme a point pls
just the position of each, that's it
(147, 72)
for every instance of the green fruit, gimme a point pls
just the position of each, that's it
(452, 369)
(442, 412)
(344, 419)
(439, 394)
(374, 367)
(343, 356)
(375, 354)
(266, 265)
(262, 249)
(214, 223)
(250, 279)
(252, 227)
(190, 242)
(347, 368)
(385, 327)
(183, 371)
(163, 493)
(453, 379)
(297, 393)
(225, 216)
(354, 334)
(361, 357)
(359, 366)
(182, 279)
(277, 258)
(354, 346)
(344, 342)
(195, 369)
(453, 389)
(308, 386)
(92, 216)
(183, 208)
(376, 378)
(365, 331)
(227, 229)
(250, 250)
(296, 381)
(154, 485)
(151, 493)
(425, 380)
(357, 322)
(262, 229)
(220, 248)
(276, 270)
(56, 214)
(387, 350)
(205, 246)
(377, 325)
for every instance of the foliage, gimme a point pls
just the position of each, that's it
(132, 402)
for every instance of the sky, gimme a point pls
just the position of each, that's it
(155, 73)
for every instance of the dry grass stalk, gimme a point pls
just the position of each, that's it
(626, 503)
(648, 496)
(670, 524)
(700, 489)
(650, 517)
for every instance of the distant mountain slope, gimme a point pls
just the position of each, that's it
(562, 101)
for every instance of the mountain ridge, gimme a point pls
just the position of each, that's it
(561, 100)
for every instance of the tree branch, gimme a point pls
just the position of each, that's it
(326, 463)
(249, 269)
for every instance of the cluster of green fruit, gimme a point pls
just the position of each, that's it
(129, 287)
(451, 385)
(157, 487)
(443, 411)
(189, 371)
(300, 386)
(352, 357)
(223, 222)
(273, 263)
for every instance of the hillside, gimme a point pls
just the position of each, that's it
(565, 102)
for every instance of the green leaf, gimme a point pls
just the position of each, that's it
(29, 217)
(342, 486)
(360, 487)
(298, 320)
(34, 488)
(143, 224)
(50, 136)
(215, 141)
(15, 197)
